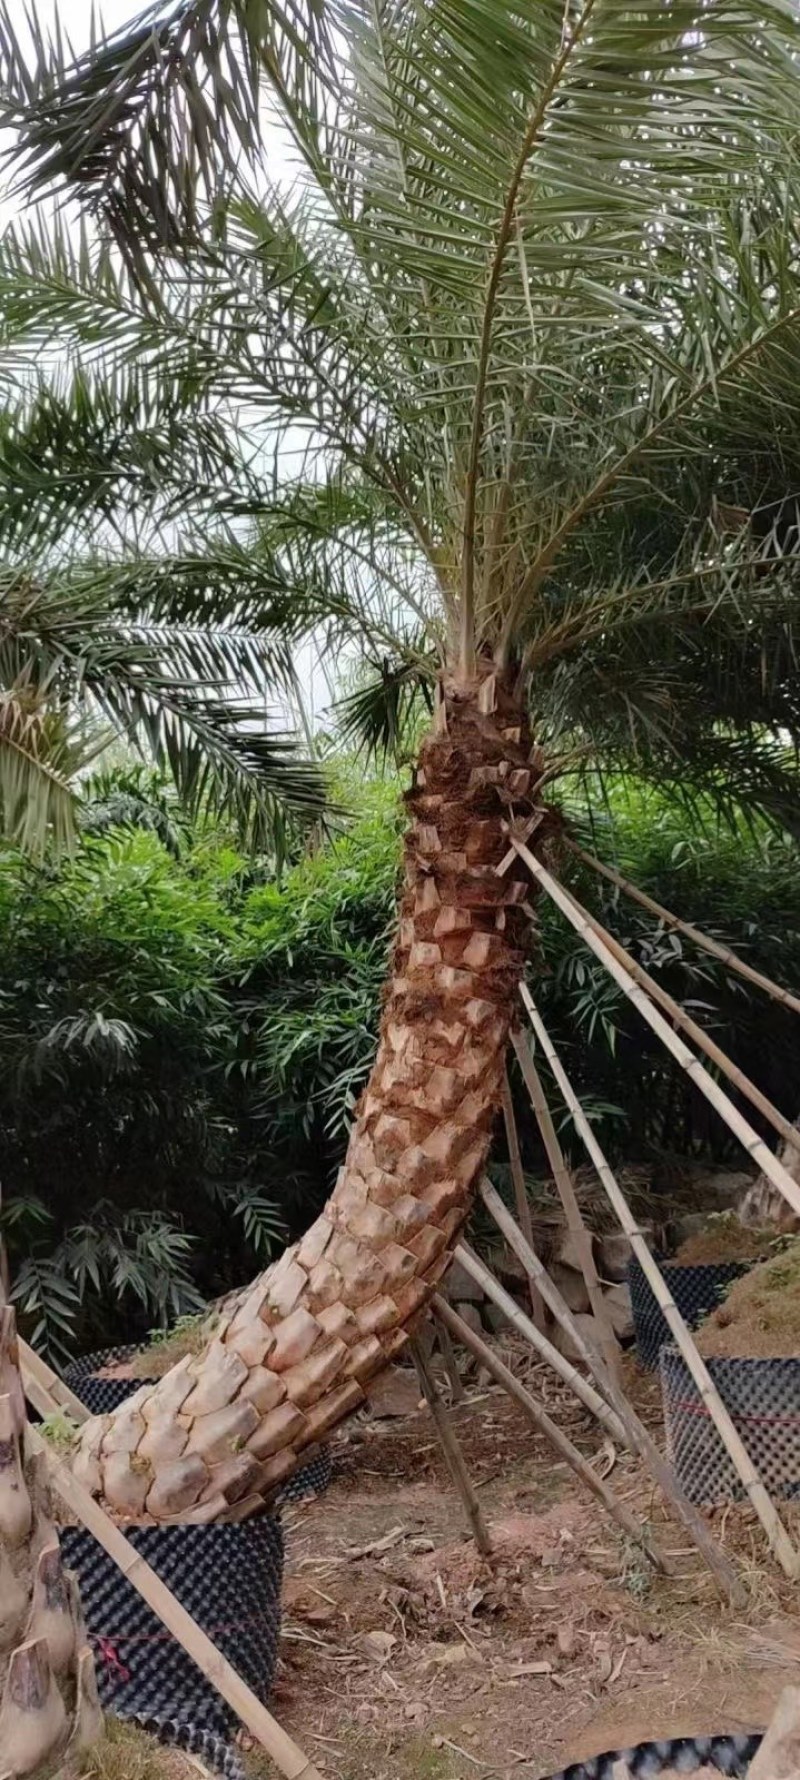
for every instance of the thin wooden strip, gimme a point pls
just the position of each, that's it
(698, 1036)
(572, 1211)
(454, 1457)
(541, 1421)
(521, 1197)
(748, 1138)
(694, 934)
(568, 1373)
(34, 1367)
(287, 1756)
(773, 1525)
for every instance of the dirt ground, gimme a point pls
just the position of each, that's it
(405, 1656)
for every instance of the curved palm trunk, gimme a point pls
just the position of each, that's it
(295, 1352)
(49, 1708)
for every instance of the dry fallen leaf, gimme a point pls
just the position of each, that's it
(379, 1645)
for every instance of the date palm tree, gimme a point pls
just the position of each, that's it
(509, 294)
(112, 629)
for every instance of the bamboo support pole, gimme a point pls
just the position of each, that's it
(560, 1442)
(452, 1451)
(568, 1373)
(748, 1138)
(608, 1343)
(38, 1378)
(556, 1304)
(767, 1513)
(698, 1036)
(641, 1441)
(521, 1198)
(723, 953)
(282, 1750)
(457, 1391)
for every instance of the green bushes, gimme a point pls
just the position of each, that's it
(182, 1038)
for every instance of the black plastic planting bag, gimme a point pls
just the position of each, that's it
(227, 1577)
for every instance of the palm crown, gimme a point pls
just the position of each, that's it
(527, 306)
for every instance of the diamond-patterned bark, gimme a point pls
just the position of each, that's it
(296, 1351)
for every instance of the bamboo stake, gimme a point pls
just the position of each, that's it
(521, 1197)
(560, 1442)
(609, 1345)
(767, 1513)
(452, 1451)
(702, 1039)
(457, 1391)
(703, 940)
(553, 1298)
(748, 1138)
(570, 1375)
(641, 1441)
(288, 1758)
(36, 1372)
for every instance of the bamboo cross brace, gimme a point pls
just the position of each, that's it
(568, 1373)
(282, 1750)
(767, 1513)
(451, 1449)
(748, 1138)
(541, 1421)
(518, 1241)
(641, 1441)
(572, 1211)
(53, 1394)
(707, 944)
(702, 1039)
(521, 1196)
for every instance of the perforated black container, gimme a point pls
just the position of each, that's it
(675, 1755)
(696, 1292)
(763, 1400)
(229, 1578)
(102, 1395)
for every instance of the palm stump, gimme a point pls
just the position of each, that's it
(50, 1710)
(294, 1353)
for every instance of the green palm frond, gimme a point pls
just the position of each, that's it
(527, 313)
(42, 751)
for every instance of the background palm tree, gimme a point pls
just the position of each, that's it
(528, 310)
(112, 626)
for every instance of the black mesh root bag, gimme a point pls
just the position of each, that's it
(102, 1395)
(227, 1577)
(763, 1399)
(696, 1291)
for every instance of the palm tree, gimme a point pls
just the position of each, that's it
(528, 309)
(48, 1695)
(110, 629)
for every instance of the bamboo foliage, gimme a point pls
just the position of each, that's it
(773, 1526)
(680, 1018)
(703, 940)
